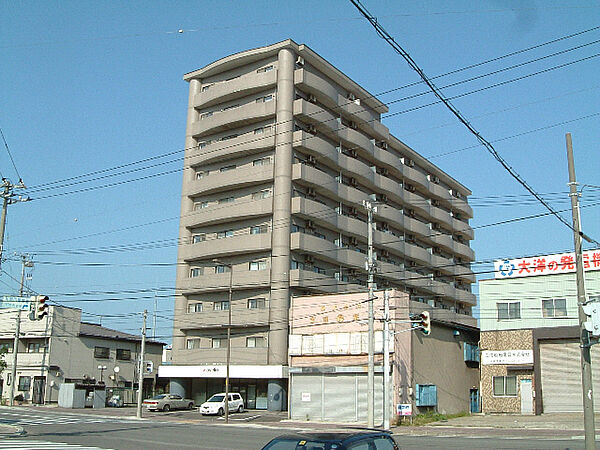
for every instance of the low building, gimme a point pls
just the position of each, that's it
(62, 349)
(328, 358)
(530, 354)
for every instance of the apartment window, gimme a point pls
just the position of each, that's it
(426, 395)
(509, 310)
(296, 265)
(200, 205)
(198, 238)
(194, 307)
(224, 234)
(221, 306)
(231, 136)
(6, 348)
(226, 200)
(227, 168)
(297, 229)
(341, 277)
(24, 383)
(262, 130)
(554, 307)
(265, 69)
(505, 386)
(259, 229)
(218, 343)
(196, 272)
(201, 174)
(258, 265)
(204, 144)
(35, 347)
(192, 344)
(318, 270)
(123, 354)
(471, 352)
(262, 161)
(256, 303)
(101, 352)
(206, 87)
(222, 268)
(255, 342)
(264, 99)
(261, 194)
(205, 115)
(230, 107)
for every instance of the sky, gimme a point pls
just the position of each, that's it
(93, 110)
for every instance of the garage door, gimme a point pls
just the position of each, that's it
(560, 365)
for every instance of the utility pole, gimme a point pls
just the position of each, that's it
(141, 368)
(8, 198)
(386, 360)
(25, 262)
(584, 335)
(14, 364)
(228, 357)
(371, 208)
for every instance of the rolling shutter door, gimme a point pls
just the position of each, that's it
(560, 364)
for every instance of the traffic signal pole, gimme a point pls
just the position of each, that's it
(584, 335)
(14, 363)
(141, 368)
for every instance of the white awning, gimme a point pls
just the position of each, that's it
(220, 371)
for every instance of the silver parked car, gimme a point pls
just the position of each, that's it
(167, 402)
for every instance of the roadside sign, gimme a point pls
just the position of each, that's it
(404, 409)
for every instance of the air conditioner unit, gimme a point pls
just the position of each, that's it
(312, 98)
(300, 61)
(409, 162)
(412, 264)
(411, 212)
(352, 153)
(435, 202)
(435, 226)
(384, 226)
(352, 181)
(382, 144)
(434, 179)
(351, 96)
(353, 125)
(409, 187)
(436, 250)
(311, 129)
(381, 198)
(311, 159)
(311, 192)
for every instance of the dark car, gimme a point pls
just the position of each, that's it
(367, 440)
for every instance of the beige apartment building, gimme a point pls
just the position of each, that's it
(282, 149)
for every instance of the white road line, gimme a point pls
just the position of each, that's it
(17, 444)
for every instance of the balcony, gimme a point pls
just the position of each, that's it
(464, 251)
(462, 206)
(246, 144)
(439, 215)
(231, 179)
(239, 87)
(242, 209)
(220, 282)
(413, 176)
(226, 120)
(324, 216)
(234, 245)
(317, 282)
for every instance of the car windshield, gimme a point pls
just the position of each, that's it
(216, 398)
(159, 397)
(295, 444)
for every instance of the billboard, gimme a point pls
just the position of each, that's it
(545, 265)
(15, 302)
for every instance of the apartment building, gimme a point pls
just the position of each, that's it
(282, 149)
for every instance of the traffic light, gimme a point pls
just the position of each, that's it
(425, 323)
(40, 307)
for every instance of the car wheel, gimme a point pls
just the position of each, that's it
(220, 412)
(166, 408)
(241, 408)
(191, 406)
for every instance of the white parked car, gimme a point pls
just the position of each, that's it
(167, 402)
(216, 404)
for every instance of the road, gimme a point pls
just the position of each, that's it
(49, 429)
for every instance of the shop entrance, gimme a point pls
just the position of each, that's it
(254, 392)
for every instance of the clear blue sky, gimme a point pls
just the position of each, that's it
(87, 86)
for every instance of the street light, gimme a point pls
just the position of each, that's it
(228, 359)
(102, 369)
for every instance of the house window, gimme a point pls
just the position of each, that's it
(198, 238)
(258, 265)
(200, 205)
(196, 272)
(554, 307)
(509, 310)
(265, 99)
(226, 200)
(195, 307)
(256, 303)
(255, 342)
(221, 306)
(259, 229)
(262, 161)
(426, 395)
(471, 352)
(6, 348)
(294, 265)
(24, 383)
(224, 234)
(222, 269)
(192, 344)
(123, 354)
(227, 168)
(101, 352)
(261, 194)
(35, 347)
(505, 386)
(219, 343)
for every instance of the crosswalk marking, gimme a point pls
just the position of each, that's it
(18, 444)
(18, 418)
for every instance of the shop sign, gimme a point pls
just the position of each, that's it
(545, 265)
(508, 357)
(404, 409)
(14, 302)
(306, 396)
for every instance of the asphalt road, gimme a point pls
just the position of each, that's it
(72, 430)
